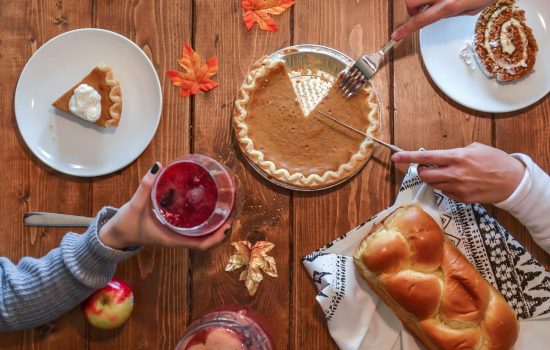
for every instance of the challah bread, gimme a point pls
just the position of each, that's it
(433, 289)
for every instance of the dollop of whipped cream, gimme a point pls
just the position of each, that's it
(86, 103)
(467, 54)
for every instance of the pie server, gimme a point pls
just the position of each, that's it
(389, 145)
(54, 219)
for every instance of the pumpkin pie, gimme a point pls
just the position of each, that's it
(504, 44)
(306, 151)
(96, 98)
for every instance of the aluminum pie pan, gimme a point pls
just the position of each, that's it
(310, 86)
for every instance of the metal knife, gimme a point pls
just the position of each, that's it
(388, 145)
(54, 219)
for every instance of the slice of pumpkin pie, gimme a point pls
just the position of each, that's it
(97, 98)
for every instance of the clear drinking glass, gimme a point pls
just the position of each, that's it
(232, 328)
(195, 195)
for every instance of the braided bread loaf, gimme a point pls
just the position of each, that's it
(437, 294)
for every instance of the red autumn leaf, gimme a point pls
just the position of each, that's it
(196, 75)
(259, 11)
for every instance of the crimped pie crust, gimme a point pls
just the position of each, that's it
(259, 70)
(115, 95)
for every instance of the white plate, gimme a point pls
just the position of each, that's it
(441, 42)
(66, 143)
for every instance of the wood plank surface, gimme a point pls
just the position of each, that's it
(16, 46)
(33, 186)
(355, 28)
(220, 31)
(424, 116)
(172, 286)
(158, 276)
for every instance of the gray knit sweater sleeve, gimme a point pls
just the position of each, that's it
(37, 291)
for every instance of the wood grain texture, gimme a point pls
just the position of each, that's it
(174, 287)
(355, 28)
(158, 276)
(16, 46)
(525, 132)
(32, 186)
(424, 116)
(219, 30)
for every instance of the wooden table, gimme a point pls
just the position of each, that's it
(175, 286)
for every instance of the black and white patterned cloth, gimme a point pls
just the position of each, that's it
(523, 282)
(501, 259)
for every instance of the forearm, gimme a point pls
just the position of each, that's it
(530, 202)
(37, 291)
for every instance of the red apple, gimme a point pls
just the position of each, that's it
(110, 306)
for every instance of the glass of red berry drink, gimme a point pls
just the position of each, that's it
(228, 328)
(195, 195)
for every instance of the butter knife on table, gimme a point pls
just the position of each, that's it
(55, 220)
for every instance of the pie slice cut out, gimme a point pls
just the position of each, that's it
(102, 80)
(304, 151)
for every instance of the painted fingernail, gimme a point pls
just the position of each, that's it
(155, 168)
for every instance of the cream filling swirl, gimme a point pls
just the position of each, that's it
(507, 45)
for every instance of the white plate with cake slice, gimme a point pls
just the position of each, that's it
(115, 116)
(469, 84)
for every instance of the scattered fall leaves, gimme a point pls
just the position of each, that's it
(196, 75)
(259, 11)
(254, 259)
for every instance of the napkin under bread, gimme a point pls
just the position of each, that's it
(358, 320)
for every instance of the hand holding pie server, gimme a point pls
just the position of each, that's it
(476, 173)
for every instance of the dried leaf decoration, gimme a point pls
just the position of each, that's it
(259, 11)
(255, 259)
(196, 75)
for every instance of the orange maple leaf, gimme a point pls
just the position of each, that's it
(259, 11)
(196, 75)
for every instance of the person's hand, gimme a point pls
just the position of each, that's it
(438, 9)
(135, 224)
(474, 174)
